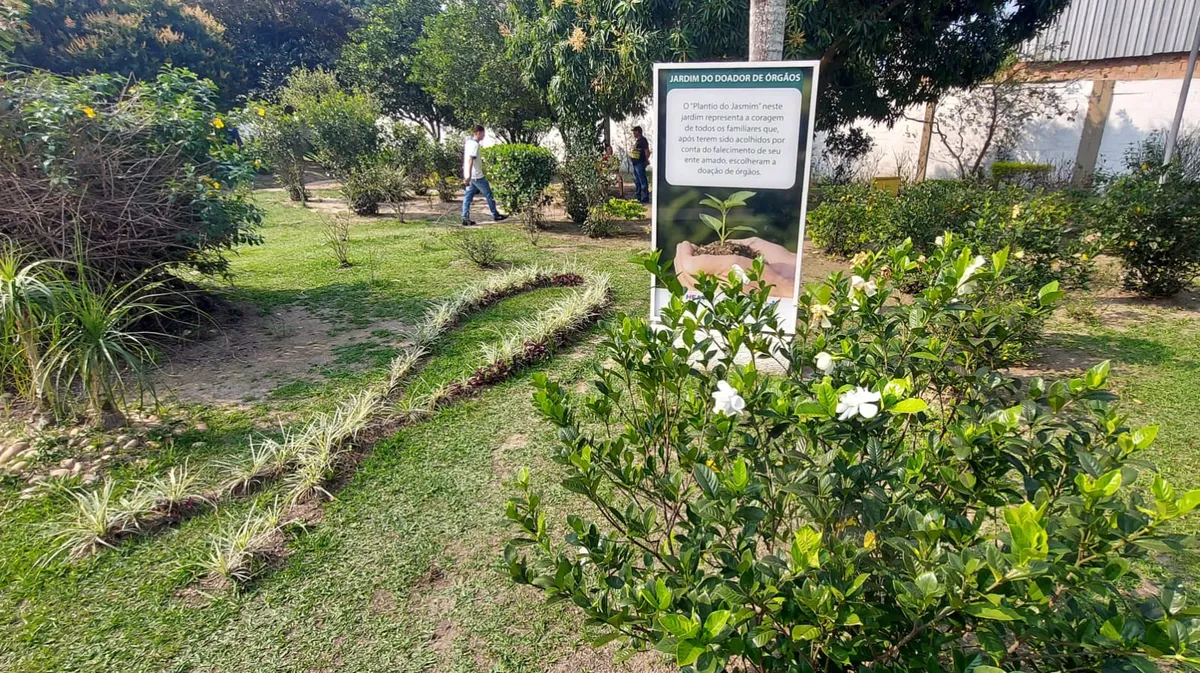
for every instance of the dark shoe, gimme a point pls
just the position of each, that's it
(499, 218)
(468, 223)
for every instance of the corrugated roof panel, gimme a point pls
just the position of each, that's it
(1097, 29)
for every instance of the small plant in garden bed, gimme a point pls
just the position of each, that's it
(723, 246)
(479, 247)
(893, 504)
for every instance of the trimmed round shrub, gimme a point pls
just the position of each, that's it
(1021, 173)
(124, 178)
(520, 175)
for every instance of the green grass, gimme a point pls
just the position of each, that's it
(361, 591)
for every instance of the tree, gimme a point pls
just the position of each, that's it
(994, 117)
(129, 37)
(13, 27)
(379, 59)
(273, 37)
(768, 23)
(466, 38)
(878, 57)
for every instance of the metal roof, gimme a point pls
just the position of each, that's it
(1096, 29)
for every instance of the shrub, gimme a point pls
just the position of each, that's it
(853, 218)
(282, 137)
(124, 178)
(341, 124)
(1021, 174)
(1153, 225)
(446, 166)
(479, 247)
(927, 209)
(585, 184)
(602, 219)
(373, 183)
(336, 232)
(1044, 231)
(520, 175)
(600, 223)
(902, 508)
(626, 209)
(412, 149)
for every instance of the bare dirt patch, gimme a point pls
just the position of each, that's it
(249, 354)
(501, 469)
(589, 660)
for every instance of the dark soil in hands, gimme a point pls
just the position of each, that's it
(726, 248)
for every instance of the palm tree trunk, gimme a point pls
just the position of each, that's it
(768, 20)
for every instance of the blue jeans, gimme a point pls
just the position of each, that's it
(478, 186)
(641, 187)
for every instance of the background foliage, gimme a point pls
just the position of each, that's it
(121, 178)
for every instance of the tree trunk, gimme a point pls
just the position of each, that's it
(768, 20)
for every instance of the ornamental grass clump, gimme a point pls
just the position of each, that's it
(893, 503)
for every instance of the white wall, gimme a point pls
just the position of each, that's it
(1140, 108)
(1050, 139)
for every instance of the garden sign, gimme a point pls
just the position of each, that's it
(731, 165)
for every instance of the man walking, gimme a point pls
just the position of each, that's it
(639, 158)
(474, 180)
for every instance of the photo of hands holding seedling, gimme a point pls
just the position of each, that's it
(727, 253)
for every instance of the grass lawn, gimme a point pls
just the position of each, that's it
(400, 574)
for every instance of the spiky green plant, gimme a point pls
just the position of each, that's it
(96, 518)
(316, 461)
(26, 303)
(402, 366)
(264, 461)
(179, 490)
(99, 343)
(233, 550)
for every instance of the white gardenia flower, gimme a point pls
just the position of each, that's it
(820, 314)
(860, 284)
(939, 241)
(825, 362)
(965, 286)
(858, 402)
(740, 273)
(727, 401)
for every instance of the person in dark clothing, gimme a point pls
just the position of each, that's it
(639, 158)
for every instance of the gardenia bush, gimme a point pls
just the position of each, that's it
(890, 504)
(1151, 218)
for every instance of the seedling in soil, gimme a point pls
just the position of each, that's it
(723, 246)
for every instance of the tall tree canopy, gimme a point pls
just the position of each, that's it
(380, 57)
(272, 37)
(878, 57)
(461, 61)
(128, 37)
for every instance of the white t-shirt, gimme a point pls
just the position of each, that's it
(471, 150)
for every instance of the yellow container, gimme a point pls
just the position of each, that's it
(890, 184)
